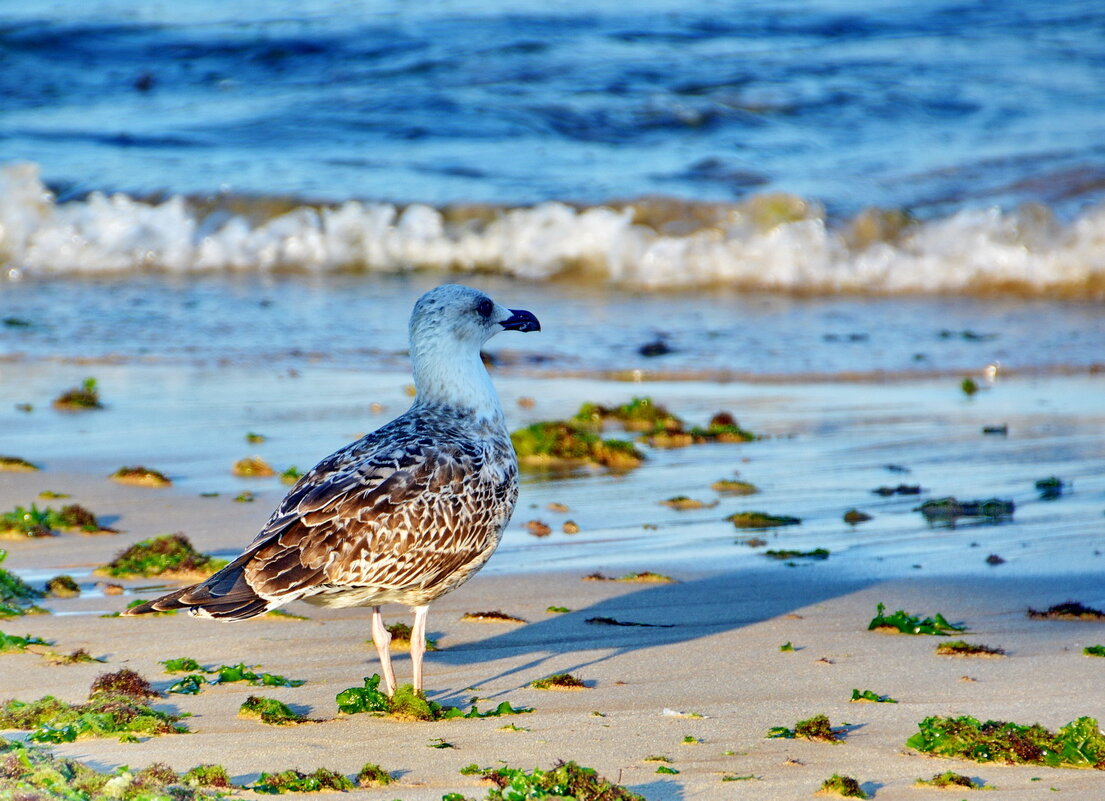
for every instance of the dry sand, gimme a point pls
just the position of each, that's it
(717, 655)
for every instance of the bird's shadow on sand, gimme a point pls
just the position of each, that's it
(678, 612)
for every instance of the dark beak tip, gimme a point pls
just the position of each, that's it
(521, 320)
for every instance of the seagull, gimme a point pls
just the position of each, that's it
(404, 514)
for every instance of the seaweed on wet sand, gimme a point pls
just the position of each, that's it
(948, 510)
(640, 414)
(905, 623)
(270, 711)
(869, 696)
(1069, 610)
(495, 616)
(291, 475)
(34, 522)
(558, 681)
(901, 489)
(166, 555)
(13, 643)
(15, 464)
(1094, 650)
(683, 502)
(194, 681)
(563, 780)
(16, 596)
(1051, 488)
(816, 728)
(401, 638)
(372, 775)
(555, 444)
(962, 648)
(116, 706)
(816, 553)
(537, 528)
(844, 786)
(84, 397)
(855, 516)
(252, 467)
(63, 587)
(733, 486)
(295, 781)
(406, 703)
(761, 520)
(950, 780)
(139, 476)
(1079, 744)
(643, 577)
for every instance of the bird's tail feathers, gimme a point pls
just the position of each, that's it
(226, 595)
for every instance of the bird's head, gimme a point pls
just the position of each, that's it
(464, 315)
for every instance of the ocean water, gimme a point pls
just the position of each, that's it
(816, 147)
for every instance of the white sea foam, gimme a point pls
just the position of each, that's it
(973, 250)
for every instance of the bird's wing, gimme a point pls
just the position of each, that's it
(405, 519)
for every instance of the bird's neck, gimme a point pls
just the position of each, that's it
(453, 375)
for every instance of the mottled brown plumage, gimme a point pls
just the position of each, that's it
(402, 515)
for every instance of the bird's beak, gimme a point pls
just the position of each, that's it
(521, 320)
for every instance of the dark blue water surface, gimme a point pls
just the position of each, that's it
(930, 105)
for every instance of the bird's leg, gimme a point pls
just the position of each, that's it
(381, 638)
(418, 643)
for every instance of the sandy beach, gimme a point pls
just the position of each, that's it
(711, 649)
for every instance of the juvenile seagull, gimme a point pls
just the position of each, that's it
(402, 515)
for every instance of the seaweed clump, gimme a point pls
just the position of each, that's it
(406, 703)
(401, 638)
(950, 780)
(948, 510)
(35, 522)
(31, 772)
(557, 444)
(495, 616)
(815, 728)
(761, 520)
(270, 711)
(816, 553)
(733, 486)
(643, 577)
(1070, 610)
(871, 696)
(138, 476)
(640, 414)
(169, 555)
(563, 780)
(14, 464)
(961, 648)
(116, 706)
(1079, 744)
(844, 786)
(295, 781)
(906, 623)
(558, 681)
(82, 398)
(16, 596)
(252, 467)
(13, 643)
(372, 775)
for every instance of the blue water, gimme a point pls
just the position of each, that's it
(927, 105)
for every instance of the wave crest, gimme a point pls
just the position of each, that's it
(768, 242)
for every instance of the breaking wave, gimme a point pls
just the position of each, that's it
(768, 242)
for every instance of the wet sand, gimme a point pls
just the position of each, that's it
(715, 649)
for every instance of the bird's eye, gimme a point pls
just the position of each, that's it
(485, 307)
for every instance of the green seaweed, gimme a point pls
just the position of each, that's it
(1079, 744)
(788, 646)
(1051, 488)
(63, 587)
(254, 438)
(761, 520)
(140, 476)
(555, 443)
(872, 697)
(962, 648)
(409, 704)
(16, 596)
(116, 706)
(950, 780)
(12, 643)
(372, 775)
(291, 475)
(816, 553)
(164, 555)
(640, 414)
(35, 522)
(666, 769)
(948, 510)
(206, 776)
(559, 610)
(16, 464)
(558, 681)
(815, 728)
(563, 780)
(270, 711)
(911, 624)
(1094, 650)
(844, 786)
(184, 664)
(86, 396)
(294, 781)
(401, 638)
